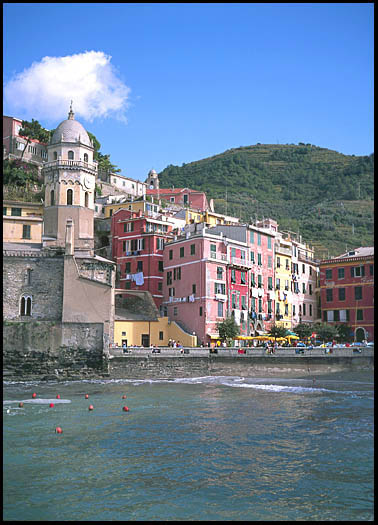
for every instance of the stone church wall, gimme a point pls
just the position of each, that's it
(45, 285)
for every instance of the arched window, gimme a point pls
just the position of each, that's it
(55, 155)
(86, 199)
(69, 196)
(52, 198)
(70, 155)
(85, 157)
(25, 306)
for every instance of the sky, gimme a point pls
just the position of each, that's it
(161, 84)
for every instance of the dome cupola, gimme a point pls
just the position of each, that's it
(71, 130)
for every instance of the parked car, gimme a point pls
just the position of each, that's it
(371, 343)
(301, 344)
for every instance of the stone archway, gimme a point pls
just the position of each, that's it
(360, 334)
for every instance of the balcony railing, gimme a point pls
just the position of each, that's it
(61, 163)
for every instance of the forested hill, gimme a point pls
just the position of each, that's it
(324, 195)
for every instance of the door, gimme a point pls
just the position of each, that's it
(145, 340)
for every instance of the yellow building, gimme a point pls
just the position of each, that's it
(283, 254)
(146, 207)
(22, 222)
(145, 333)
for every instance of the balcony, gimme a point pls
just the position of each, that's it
(221, 297)
(218, 256)
(242, 263)
(70, 164)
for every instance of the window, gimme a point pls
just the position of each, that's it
(252, 237)
(269, 260)
(310, 289)
(160, 266)
(259, 259)
(287, 264)
(233, 252)
(52, 198)
(304, 308)
(169, 277)
(357, 271)
(244, 302)
(219, 272)
(269, 305)
(182, 252)
(270, 283)
(55, 155)
(4, 210)
(26, 231)
(310, 270)
(200, 311)
(286, 285)
(192, 249)
(171, 254)
(340, 273)
(303, 287)
(310, 308)
(69, 197)
(233, 298)
(159, 243)
(29, 276)
(85, 157)
(278, 262)
(20, 146)
(360, 315)
(259, 281)
(86, 199)
(177, 274)
(233, 276)
(293, 307)
(329, 294)
(269, 243)
(286, 309)
(171, 292)
(260, 306)
(25, 306)
(341, 294)
(175, 310)
(259, 239)
(220, 309)
(371, 267)
(16, 212)
(161, 336)
(160, 286)
(220, 288)
(243, 277)
(253, 282)
(194, 288)
(358, 292)
(328, 274)
(128, 267)
(71, 155)
(140, 266)
(186, 198)
(172, 199)
(253, 257)
(277, 308)
(277, 284)
(336, 316)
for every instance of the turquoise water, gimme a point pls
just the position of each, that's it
(213, 448)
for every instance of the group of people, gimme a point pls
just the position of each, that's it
(174, 344)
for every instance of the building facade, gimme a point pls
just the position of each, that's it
(347, 292)
(14, 144)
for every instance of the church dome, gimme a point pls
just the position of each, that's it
(71, 130)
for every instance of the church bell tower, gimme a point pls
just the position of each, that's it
(69, 177)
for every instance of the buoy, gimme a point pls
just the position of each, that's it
(125, 409)
(8, 411)
(21, 404)
(86, 396)
(58, 396)
(123, 397)
(58, 430)
(90, 407)
(34, 395)
(51, 405)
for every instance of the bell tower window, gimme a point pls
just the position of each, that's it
(69, 197)
(55, 155)
(70, 155)
(86, 199)
(52, 198)
(25, 306)
(85, 157)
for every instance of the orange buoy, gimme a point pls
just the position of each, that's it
(34, 395)
(90, 407)
(51, 405)
(58, 396)
(86, 396)
(125, 409)
(123, 397)
(58, 430)
(21, 404)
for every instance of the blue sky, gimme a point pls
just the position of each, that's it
(162, 84)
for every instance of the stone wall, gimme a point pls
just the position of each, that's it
(53, 350)
(45, 286)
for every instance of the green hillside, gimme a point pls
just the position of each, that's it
(324, 195)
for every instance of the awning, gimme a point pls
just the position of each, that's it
(214, 336)
(245, 337)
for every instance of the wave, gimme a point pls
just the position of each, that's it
(40, 401)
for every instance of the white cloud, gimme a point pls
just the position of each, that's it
(45, 89)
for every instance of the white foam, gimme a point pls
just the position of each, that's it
(36, 401)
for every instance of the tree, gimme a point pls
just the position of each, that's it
(277, 331)
(325, 331)
(303, 330)
(344, 333)
(228, 330)
(17, 173)
(105, 165)
(33, 130)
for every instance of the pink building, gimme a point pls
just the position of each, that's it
(194, 199)
(14, 144)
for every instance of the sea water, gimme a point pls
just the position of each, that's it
(207, 448)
